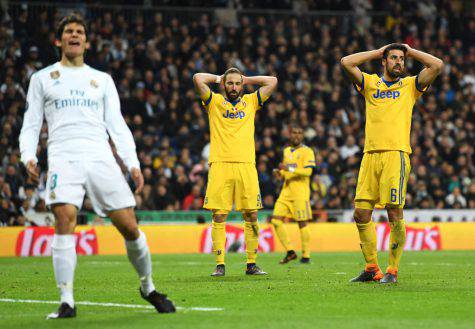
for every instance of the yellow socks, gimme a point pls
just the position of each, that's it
(218, 235)
(251, 236)
(305, 237)
(281, 232)
(368, 242)
(397, 241)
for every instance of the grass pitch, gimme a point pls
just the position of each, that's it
(435, 290)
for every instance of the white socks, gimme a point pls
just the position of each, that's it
(139, 256)
(64, 264)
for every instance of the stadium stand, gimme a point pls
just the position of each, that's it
(152, 55)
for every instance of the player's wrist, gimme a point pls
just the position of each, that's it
(218, 79)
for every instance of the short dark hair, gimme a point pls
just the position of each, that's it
(295, 125)
(71, 18)
(230, 71)
(394, 46)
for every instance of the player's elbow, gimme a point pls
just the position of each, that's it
(344, 62)
(196, 78)
(439, 65)
(274, 82)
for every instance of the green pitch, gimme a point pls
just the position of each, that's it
(436, 290)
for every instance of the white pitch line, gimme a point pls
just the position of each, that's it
(86, 303)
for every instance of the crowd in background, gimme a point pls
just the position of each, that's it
(152, 56)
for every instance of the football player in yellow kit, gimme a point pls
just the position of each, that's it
(385, 167)
(294, 199)
(232, 177)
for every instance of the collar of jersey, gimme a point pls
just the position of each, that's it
(292, 149)
(389, 83)
(233, 103)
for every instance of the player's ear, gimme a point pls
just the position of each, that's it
(57, 43)
(88, 45)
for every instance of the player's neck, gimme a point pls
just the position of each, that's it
(387, 78)
(72, 62)
(234, 102)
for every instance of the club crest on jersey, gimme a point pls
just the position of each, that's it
(94, 84)
(387, 94)
(54, 75)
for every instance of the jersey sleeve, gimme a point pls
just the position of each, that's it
(117, 128)
(365, 82)
(33, 120)
(418, 90)
(258, 99)
(209, 100)
(309, 159)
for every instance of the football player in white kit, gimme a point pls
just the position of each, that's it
(82, 109)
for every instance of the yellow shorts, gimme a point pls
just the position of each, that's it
(299, 210)
(232, 183)
(382, 179)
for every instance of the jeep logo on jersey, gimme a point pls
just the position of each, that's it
(386, 94)
(234, 115)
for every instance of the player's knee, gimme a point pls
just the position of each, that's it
(302, 224)
(394, 213)
(362, 216)
(126, 222)
(250, 216)
(64, 214)
(219, 218)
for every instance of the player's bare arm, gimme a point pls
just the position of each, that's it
(267, 83)
(433, 66)
(202, 80)
(350, 63)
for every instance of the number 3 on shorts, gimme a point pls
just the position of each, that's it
(54, 181)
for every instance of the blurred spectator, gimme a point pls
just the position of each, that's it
(456, 199)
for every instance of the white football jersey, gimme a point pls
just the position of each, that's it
(82, 109)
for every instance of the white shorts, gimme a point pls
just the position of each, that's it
(103, 181)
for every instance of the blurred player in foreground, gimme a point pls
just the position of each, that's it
(82, 110)
(232, 177)
(385, 166)
(294, 199)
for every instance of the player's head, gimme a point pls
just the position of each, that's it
(296, 135)
(394, 57)
(71, 36)
(232, 80)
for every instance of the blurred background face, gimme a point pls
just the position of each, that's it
(394, 63)
(296, 136)
(233, 86)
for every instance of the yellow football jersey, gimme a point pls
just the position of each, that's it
(297, 187)
(232, 127)
(388, 112)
